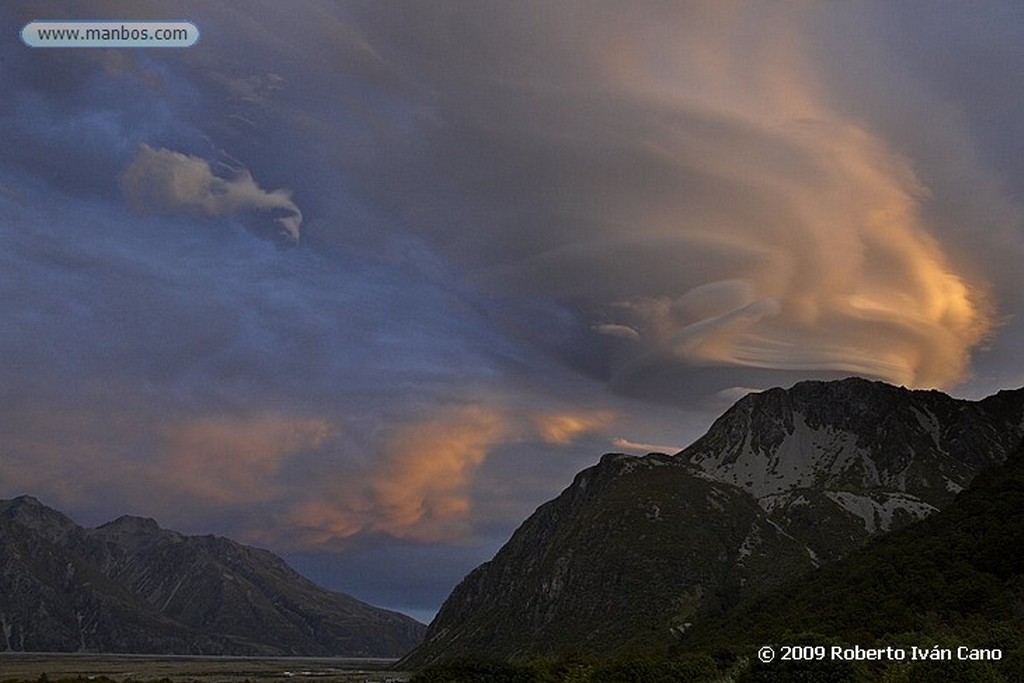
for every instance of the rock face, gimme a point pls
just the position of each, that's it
(835, 462)
(957, 576)
(638, 548)
(130, 586)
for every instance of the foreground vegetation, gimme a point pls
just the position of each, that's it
(576, 669)
(724, 665)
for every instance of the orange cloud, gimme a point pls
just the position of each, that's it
(562, 428)
(809, 240)
(234, 460)
(319, 522)
(54, 454)
(417, 489)
(419, 485)
(427, 467)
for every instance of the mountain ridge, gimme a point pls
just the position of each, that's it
(132, 586)
(855, 456)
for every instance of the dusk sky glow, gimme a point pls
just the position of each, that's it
(364, 283)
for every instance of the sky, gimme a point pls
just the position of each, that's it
(364, 283)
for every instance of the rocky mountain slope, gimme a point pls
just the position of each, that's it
(130, 586)
(638, 548)
(835, 462)
(634, 544)
(955, 579)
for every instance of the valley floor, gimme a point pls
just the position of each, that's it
(17, 666)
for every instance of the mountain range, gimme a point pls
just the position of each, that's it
(132, 586)
(640, 551)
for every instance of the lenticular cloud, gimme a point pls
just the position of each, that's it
(699, 193)
(825, 264)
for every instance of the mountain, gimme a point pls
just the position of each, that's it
(634, 543)
(835, 462)
(131, 586)
(956, 578)
(638, 549)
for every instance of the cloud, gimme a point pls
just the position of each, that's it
(419, 484)
(666, 192)
(67, 456)
(427, 468)
(417, 489)
(234, 460)
(175, 468)
(634, 447)
(562, 428)
(165, 180)
(849, 279)
(616, 330)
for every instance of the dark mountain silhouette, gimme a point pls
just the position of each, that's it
(131, 586)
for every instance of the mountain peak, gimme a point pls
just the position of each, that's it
(634, 540)
(846, 396)
(827, 450)
(29, 512)
(131, 524)
(22, 503)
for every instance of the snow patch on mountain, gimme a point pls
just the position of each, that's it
(929, 424)
(877, 510)
(805, 458)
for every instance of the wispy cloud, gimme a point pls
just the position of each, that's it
(233, 460)
(419, 484)
(416, 488)
(635, 447)
(563, 427)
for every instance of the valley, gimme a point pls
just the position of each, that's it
(178, 669)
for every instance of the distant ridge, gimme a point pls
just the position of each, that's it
(639, 549)
(131, 586)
